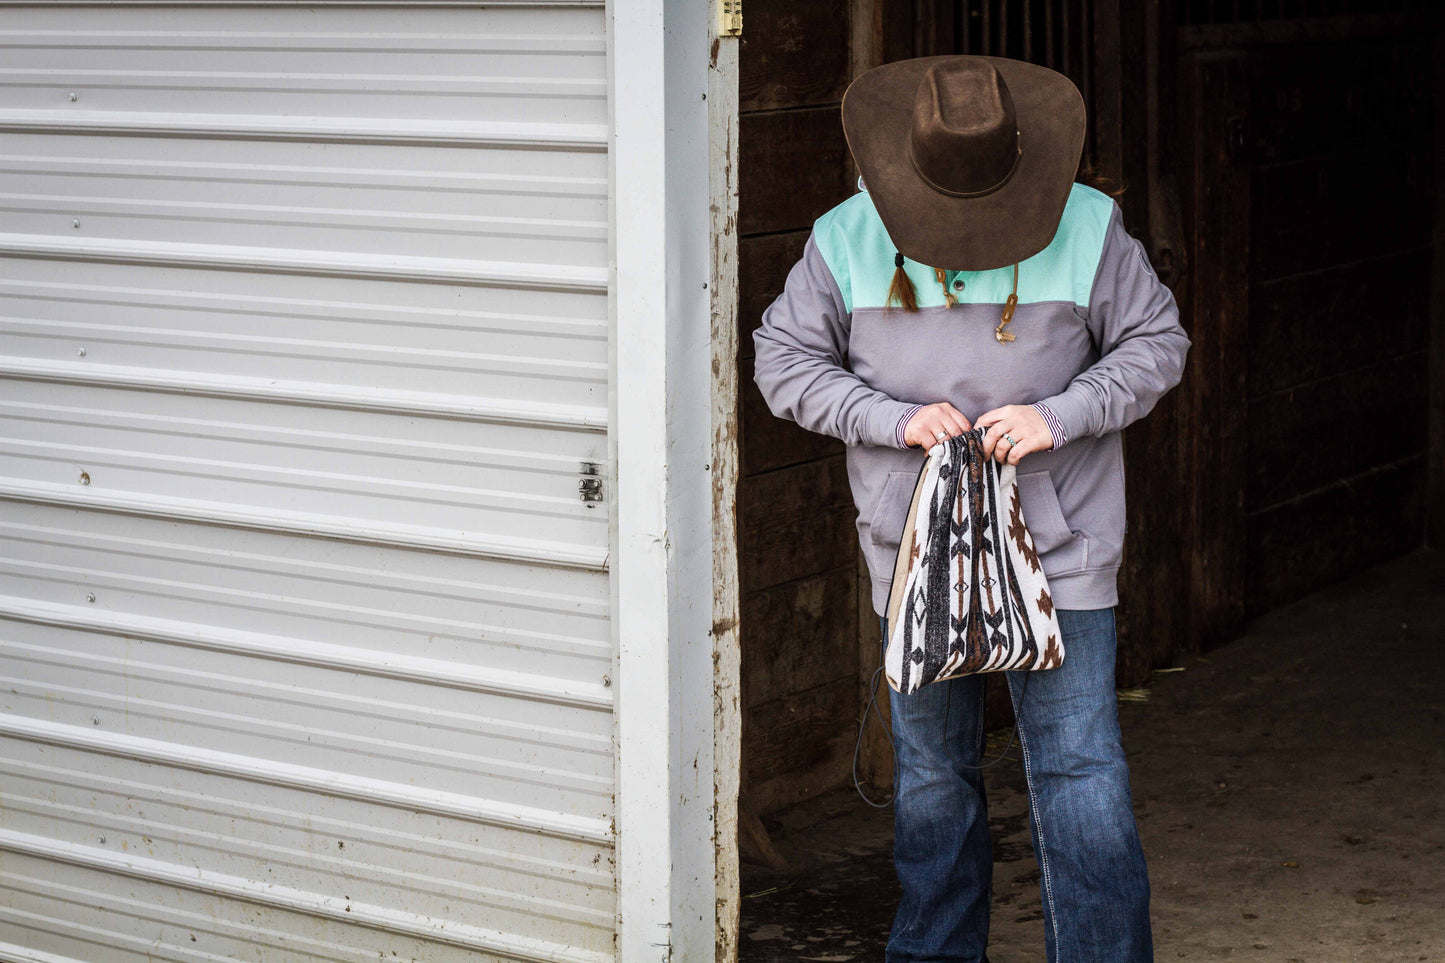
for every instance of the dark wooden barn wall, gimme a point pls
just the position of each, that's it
(1309, 300)
(1338, 320)
(1213, 299)
(802, 610)
(1289, 203)
(1311, 215)
(1339, 263)
(805, 590)
(1435, 450)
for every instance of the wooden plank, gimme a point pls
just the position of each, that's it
(1153, 574)
(1295, 31)
(1215, 304)
(817, 537)
(1135, 76)
(1302, 104)
(830, 769)
(872, 22)
(1117, 100)
(796, 630)
(800, 540)
(933, 28)
(801, 745)
(795, 522)
(793, 54)
(875, 755)
(1435, 483)
(1297, 547)
(895, 34)
(794, 166)
(770, 442)
(1313, 326)
(865, 36)
(1305, 437)
(765, 262)
(1358, 202)
(726, 637)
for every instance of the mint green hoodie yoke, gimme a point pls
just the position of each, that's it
(855, 246)
(1098, 340)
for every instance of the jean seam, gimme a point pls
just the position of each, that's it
(1034, 808)
(978, 729)
(981, 744)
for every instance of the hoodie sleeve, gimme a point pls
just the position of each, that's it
(1134, 320)
(800, 364)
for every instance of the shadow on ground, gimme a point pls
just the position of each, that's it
(1289, 786)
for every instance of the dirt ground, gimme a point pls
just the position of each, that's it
(1289, 787)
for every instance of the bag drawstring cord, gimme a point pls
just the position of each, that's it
(872, 705)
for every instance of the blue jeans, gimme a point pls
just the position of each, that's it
(1092, 875)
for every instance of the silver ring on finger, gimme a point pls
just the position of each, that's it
(940, 435)
(1009, 438)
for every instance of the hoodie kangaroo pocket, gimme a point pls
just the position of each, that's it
(885, 524)
(1060, 548)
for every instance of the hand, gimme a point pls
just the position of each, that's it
(1023, 423)
(922, 429)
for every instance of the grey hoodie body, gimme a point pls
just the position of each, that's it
(1098, 342)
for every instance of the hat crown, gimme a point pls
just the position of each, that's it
(965, 138)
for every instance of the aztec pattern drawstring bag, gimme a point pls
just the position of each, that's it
(969, 594)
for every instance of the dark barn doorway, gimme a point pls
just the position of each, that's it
(1281, 164)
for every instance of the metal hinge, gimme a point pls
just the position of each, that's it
(730, 22)
(590, 485)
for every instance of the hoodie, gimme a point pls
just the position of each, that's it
(1098, 344)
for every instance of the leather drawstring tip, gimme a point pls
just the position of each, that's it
(942, 277)
(1002, 336)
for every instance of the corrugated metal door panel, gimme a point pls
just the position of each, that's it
(518, 62)
(251, 856)
(288, 196)
(515, 354)
(394, 475)
(327, 601)
(303, 621)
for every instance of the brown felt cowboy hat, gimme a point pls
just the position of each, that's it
(969, 159)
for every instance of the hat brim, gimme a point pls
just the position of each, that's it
(1011, 224)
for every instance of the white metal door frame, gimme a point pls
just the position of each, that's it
(673, 408)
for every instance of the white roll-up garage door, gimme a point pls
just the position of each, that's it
(303, 538)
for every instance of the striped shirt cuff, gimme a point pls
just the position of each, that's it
(902, 424)
(1055, 429)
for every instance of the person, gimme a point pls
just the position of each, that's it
(973, 281)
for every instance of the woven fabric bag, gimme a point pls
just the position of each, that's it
(968, 592)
